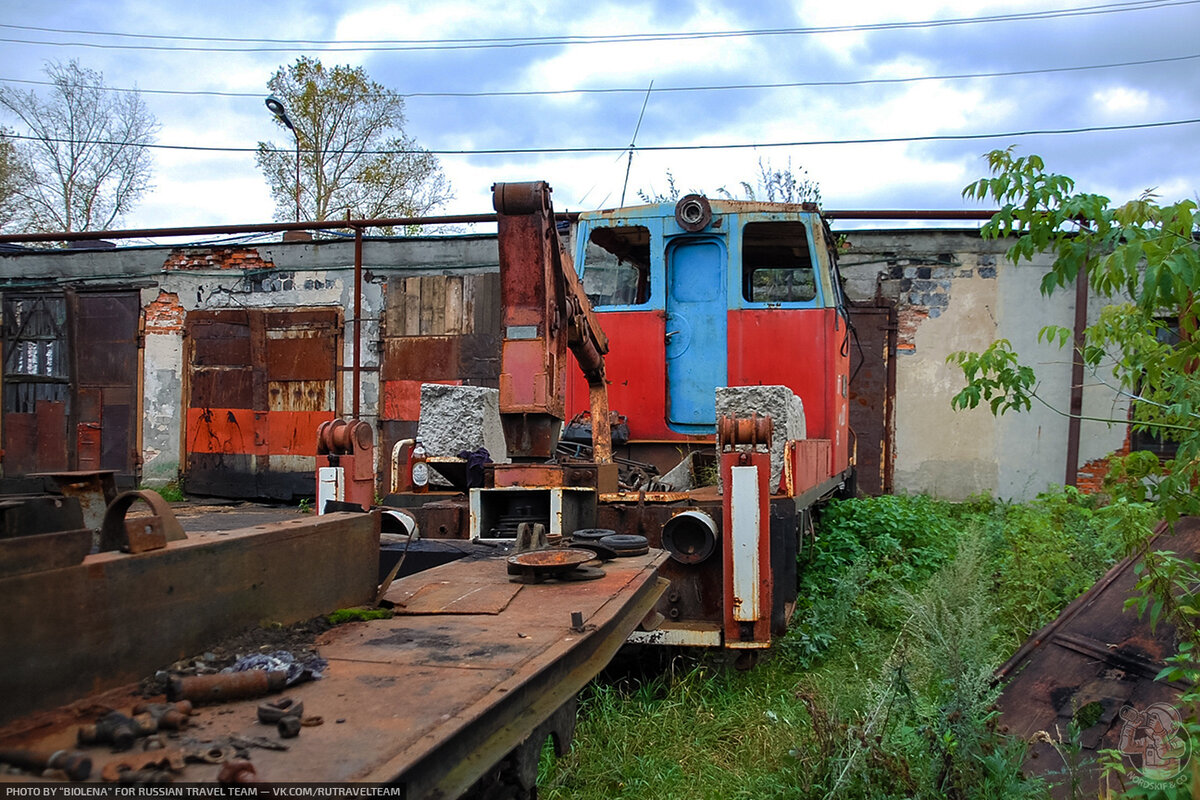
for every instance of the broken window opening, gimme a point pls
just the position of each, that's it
(35, 352)
(617, 266)
(777, 266)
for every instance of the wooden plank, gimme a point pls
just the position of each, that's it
(412, 307)
(454, 305)
(468, 305)
(487, 303)
(436, 300)
(393, 313)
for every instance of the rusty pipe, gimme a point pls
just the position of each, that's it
(1076, 407)
(76, 765)
(225, 686)
(358, 279)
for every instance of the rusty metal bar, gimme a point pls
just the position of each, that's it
(358, 278)
(396, 222)
(911, 214)
(1076, 411)
(263, 227)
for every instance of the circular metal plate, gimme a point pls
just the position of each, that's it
(552, 561)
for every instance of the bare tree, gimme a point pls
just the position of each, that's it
(772, 185)
(85, 162)
(9, 178)
(354, 154)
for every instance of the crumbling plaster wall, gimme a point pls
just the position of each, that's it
(282, 276)
(955, 291)
(174, 281)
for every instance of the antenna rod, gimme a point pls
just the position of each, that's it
(633, 141)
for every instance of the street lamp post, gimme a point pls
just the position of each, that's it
(276, 107)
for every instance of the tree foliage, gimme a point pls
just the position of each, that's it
(86, 164)
(1142, 258)
(354, 154)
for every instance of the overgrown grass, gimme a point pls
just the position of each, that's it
(883, 688)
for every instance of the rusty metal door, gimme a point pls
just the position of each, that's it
(259, 383)
(873, 393)
(105, 413)
(37, 388)
(71, 382)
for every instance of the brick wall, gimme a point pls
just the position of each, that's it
(165, 314)
(216, 258)
(1090, 476)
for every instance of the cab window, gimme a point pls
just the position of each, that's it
(776, 263)
(616, 267)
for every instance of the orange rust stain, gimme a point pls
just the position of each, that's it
(221, 430)
(294, 433)
(165, 314)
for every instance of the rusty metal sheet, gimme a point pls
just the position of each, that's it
(301, 355)
(27, 516)
(20, 443)
(219, 344)
(303, 396)
(459, 597)
(261, 381)
(328, 318)
(44, 551)
(106, 330)
(873, 394)
(426, 358)
(479, 359)
(1094, 652)
(51, 435)
(294, 433)
(222, 387)
(433, 702)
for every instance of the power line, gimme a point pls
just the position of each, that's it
(335, 46)
(677, 89)
(948, 137)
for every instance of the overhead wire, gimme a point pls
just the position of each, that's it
(661, 148)
(641, 90)
(333, 45)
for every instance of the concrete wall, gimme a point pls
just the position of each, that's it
(952, 290)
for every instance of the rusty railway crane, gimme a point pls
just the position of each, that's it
(717, 333)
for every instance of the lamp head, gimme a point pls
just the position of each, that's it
(276, 107)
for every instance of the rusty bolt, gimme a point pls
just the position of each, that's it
(289, 727)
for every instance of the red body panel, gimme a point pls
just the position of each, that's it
(803, 350)
(636, 368)
(798, 348)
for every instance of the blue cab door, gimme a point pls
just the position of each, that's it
(696, 332)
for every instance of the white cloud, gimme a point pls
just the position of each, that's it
(1122, 101)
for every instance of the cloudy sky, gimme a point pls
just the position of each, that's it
(1076, 55)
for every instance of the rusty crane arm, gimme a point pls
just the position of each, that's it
(545, 313)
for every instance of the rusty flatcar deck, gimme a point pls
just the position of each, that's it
(470, 666)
